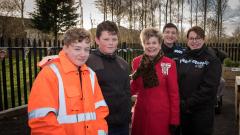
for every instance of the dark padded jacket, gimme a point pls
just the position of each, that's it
(113, 76)
(199, 73)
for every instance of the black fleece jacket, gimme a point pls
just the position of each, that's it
(113, 77)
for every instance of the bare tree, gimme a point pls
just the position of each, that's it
(21, 7)
(191, 11)
(8, 8)
(205, 14)
(224, 4)
(117, 8)
(102, 6)
(178, 12)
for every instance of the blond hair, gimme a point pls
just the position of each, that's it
(147, 33)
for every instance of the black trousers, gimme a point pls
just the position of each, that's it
(200, 122)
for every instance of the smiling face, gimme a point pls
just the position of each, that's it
(107, 42)
(78, 52)
(170, 36)
(194, 41)
(151, 47)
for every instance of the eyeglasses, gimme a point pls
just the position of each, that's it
(195, 39)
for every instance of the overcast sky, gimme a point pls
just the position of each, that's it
(231, 17)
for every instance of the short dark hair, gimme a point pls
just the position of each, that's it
(198, 30)
(170, 25)
(106, 26)
(75, 34)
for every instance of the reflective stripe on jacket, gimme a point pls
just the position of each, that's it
(68, 108)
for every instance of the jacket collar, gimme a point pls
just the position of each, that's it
(167, 49)
(67, 65)
(196, 52)
(105, 56)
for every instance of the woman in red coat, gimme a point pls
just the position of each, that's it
(154, 81)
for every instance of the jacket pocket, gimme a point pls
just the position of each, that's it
(74, 98)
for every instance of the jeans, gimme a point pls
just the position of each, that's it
(118, 130)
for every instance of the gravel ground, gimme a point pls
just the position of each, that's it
(225, 123)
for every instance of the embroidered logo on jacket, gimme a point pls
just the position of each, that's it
(197, 64)
(165, 67)
(178, 51)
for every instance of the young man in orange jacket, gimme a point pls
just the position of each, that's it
(66, 98)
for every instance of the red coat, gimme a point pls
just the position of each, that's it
(156, 108)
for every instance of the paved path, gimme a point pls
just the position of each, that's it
(224, 123)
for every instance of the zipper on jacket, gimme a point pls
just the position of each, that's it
(80, 77)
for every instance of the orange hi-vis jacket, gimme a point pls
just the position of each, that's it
(65, 101)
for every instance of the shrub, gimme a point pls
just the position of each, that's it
(229, 63)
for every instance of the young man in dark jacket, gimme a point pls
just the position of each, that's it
(113, 77)
(169, 45)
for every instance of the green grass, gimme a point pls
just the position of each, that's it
(8, 83)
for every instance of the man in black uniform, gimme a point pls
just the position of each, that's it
(199, 72)
(170, 47)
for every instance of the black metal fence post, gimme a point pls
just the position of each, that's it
(18, 72)
(11, 72)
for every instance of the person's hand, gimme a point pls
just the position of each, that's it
(46, 59)
(173, 129)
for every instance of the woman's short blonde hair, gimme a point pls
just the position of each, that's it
(74, 35)
(147, 33)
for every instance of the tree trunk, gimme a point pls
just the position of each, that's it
(182, 21)
(112, 8)
(205, 15)
(191, 13)
(105, 10)
(142, 16)
(130, 15)
(196, 19)
(218, 19)
(145, 14)
(166, 10)
(170, 10)
(81, 13)
(178, 14)
(160, 12)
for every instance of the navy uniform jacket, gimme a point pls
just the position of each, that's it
(199, 73)
(175, 52)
